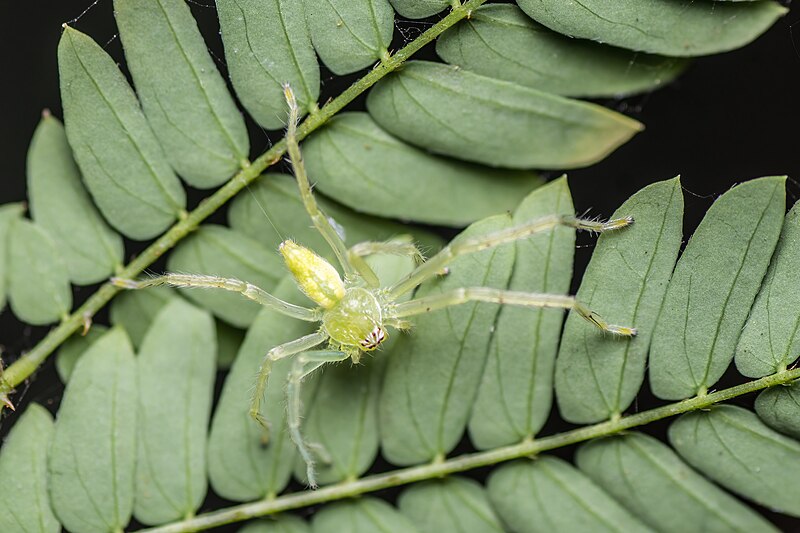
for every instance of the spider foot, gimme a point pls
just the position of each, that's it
(124, 283)
(264, 423)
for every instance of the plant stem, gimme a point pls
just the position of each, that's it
(462, 463)
(29, 362)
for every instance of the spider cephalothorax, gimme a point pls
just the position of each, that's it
(353, 309)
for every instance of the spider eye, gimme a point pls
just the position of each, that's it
(375, 337)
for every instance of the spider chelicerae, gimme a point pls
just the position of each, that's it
(354, 310)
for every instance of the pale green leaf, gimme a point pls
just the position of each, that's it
(357, 163)
(176, 369)
(713, 287)
(241, 466)
(340, 410)
(25, 506)
(454, 112)
(453, 504)
(219, 251)
(92, 458)
(59, 204)
(73, 348)
(350, 34)
(266, 45)
(779, 408)
(516, 391)
(769, 341)
(501, 42)
(420, 9)
(38, 282)
(274, 211)
(8, 214)
(666, 27)
(135, 310)
(123, 164)
(364, 515)
(598, 375)
(229, 340)
(734, 448)
(434, 372)
(650, 480)
(278, 524)
(549, 494)
(182, 93)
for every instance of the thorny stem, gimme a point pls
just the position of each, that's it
(526, 448)
(28, 363)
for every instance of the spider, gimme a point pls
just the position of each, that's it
(354, 311)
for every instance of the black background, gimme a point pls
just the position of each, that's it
(729, 118)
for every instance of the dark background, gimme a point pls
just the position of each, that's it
(729, 118)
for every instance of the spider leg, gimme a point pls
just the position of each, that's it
(303, 365)
(247, 290)
(438, 262)
(278, 352)
(401, 247)
(320, 220)
(500, 296)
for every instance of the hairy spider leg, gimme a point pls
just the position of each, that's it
(248, 290)
(303, 365)
(401, 246)
(438, 262)
(500, 296)
(320, 220)
(281, 351)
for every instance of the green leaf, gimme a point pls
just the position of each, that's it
(516, 391)
(420, 9)
(713, 287)
(500, 41)
(350, 34)
(779, 408)
(274, 211)
(769, 341)
(229, 340)
(60, 205)
(182, 93)
(341, 400)
(734, 448)
(650, 480)
(452, 504)
(364, 515)
(73, 348)
(598, 375)
(220, 251)
(278, 524)
(92, 458)
(176, 368)
(38, 281)
(8, 214)
(267, 44)
(549, 494)
(659, 26)
(135, 310)
(25, 505)
(365, 168)
(123, 164)
(434, 372)
(454, 112)
(241, 466)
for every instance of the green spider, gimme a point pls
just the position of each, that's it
(354, 311)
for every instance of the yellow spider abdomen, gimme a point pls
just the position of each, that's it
(315, 276)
